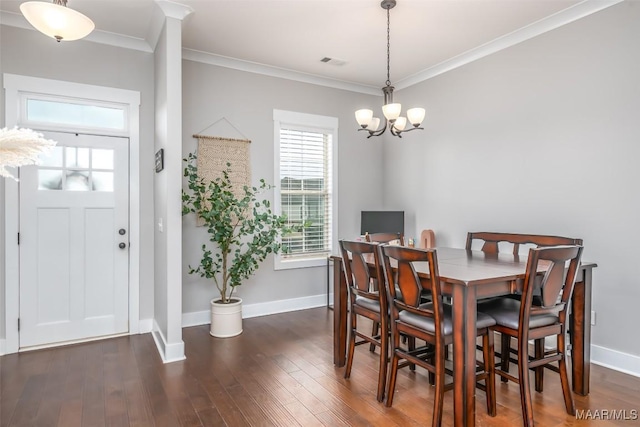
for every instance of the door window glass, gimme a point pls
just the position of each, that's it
(77, 169)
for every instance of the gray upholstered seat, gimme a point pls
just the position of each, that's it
(506, 312)
(367, 303)
(426, 323)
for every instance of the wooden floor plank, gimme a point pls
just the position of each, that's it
(279, 372)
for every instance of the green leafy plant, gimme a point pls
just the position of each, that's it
(243, 229)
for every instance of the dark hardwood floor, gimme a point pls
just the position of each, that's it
(279, 372)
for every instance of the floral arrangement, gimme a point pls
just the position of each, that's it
(19, 147)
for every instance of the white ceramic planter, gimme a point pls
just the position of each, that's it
(226, 319)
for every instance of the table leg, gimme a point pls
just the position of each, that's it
(580, 330)
(339, 314)
(464, 355)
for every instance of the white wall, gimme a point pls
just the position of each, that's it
(247, 101)
(168, 237)
(543, 137)
(30, 53)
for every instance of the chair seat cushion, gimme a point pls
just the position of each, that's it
(367, 303)
(428, 323)
(506, 312)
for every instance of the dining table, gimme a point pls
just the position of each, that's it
(468, 276)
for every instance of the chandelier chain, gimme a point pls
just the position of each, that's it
(388, 82)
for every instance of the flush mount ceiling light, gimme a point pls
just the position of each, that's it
(391, 110)
(57, 20)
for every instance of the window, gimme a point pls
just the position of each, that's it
(76, 169)
(40, 111)
(306, 184)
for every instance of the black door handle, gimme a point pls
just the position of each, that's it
(122, 245)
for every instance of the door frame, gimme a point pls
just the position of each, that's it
(15, 86)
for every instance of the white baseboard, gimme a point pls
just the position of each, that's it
(617, 360)
(168, 352)
(2, 347)
(145, 326)
(197, 318)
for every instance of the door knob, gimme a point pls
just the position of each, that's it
(122, 232)
(122, 245)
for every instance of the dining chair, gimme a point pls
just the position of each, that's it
(389, 238)
(491, 243)
(431, 322)
(385, 238)
(366, 302)
(524, 320)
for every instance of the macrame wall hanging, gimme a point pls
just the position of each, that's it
(213, 155)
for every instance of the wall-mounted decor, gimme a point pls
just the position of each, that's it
(159, 160)
(213, 155)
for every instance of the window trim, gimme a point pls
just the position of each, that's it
(316, 123)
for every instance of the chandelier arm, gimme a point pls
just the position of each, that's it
(398, 132)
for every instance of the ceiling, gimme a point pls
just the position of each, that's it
(427, 36)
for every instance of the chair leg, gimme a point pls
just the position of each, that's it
(352, 346)
(488, 353)
(393, 372)
(564, 378)
(375, 330)
(505, 349)
(438, 399)
(539, 371)
(411, 345)
(384, 359)
(523, 377)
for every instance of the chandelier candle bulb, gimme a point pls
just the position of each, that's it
(363, 117)
(400, 123)
(392, 111)
(415, 116)
(375, 123)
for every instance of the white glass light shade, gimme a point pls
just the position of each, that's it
(400, 123)
(57, 21)
(363, 117)
(375, 122)
(415, 116)
(392, 111)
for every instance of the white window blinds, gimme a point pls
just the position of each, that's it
(306, 190)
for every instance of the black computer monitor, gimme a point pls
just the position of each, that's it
(382, 222)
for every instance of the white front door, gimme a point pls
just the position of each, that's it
(74, 261)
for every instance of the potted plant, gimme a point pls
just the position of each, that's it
(242, 231)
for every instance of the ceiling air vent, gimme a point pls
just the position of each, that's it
(333, 61)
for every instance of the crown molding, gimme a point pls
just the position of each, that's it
(97, 36)
(283, 73)
(178, 11)
(174, 10)
(566, 16)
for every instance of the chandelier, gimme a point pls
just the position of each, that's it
(391, 110)
(57, 20)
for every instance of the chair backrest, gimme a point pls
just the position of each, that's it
(556, 283)
(399, 267)
(491, 240)
(385, 237)
(355, 256)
